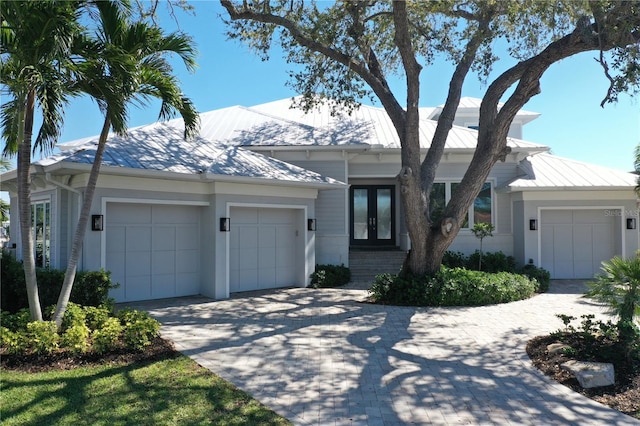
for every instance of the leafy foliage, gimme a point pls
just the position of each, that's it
(618, 287)
(85, 329)
(330, 276)
(91, 287)
(451, 287)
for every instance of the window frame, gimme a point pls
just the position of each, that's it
(47, 222)
(448, 184)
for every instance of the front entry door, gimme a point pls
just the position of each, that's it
(372, 215)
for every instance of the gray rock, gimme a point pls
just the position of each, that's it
(554, 348)
(591, 374)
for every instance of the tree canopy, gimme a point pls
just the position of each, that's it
(347, 51)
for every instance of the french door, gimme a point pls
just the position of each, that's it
(372, 215)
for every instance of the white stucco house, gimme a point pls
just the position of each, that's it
(266, 192)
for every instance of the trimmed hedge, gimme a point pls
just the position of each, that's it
(90, 288)
(326, 276)
(452, 287)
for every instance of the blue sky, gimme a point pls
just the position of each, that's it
(572, 122)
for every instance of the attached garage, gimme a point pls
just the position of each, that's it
(265, 248)
(574, 242)
(153, 250)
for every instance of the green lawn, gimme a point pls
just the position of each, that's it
(173, 391)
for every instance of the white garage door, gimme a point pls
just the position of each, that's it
(153, 250)
(262, 248)
(575, 242)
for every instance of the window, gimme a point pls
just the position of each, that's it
(480, 211)
(41, 227)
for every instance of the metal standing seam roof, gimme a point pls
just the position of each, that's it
(161, 147)
(546, 171)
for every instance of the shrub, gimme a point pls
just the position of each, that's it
(42, 336)
(454, 259)
(540, 275)
(76, 338)
(107, 337)
(13, 341)
(89, 288)
(17, 321)
(138, 328)
(452, 287)
(96, 316)
(492, 262)
(74, 315)
(330, 276)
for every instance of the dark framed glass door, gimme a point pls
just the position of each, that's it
(372, 212)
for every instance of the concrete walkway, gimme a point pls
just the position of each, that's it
(323, 357)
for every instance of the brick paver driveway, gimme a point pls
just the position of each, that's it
(324, 357)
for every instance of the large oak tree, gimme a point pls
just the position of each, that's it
(348, 50)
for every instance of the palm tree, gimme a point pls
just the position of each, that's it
(4, 206)
(126, 63)
(36, 40)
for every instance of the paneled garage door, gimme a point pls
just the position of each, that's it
(262, 248)
(153, 250)
(575, 242)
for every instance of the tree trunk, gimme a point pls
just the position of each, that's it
(81, 227)
(24, 208)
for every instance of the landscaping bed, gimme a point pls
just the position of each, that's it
(624, 396)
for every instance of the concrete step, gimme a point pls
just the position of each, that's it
(366, 264)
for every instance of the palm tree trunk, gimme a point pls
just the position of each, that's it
(81, 227)
(24, 209)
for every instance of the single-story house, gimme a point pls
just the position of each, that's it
(267, 192)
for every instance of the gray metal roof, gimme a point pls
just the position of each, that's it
(546, 171)
(161, 147)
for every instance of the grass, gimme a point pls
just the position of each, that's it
(174, 391)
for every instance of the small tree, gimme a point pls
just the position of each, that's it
(618, 287)
(481, 230)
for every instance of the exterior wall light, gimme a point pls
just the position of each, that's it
(631, 223)
(533, 224)
(97, 222)
(225, 224)
(311, 224)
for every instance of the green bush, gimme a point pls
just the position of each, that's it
(76, 338)
(452, 287)
(74, 315)
(13, 341)
(455, 259)
(107, 337)
(96, 316)
(330, 276)
(542, 276)
(492, 262)
(89, 289)
(42, 336)
(17, 321)
(138, 328)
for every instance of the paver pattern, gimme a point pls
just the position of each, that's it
(326, 357)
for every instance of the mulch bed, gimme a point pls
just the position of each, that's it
(158, 349)
(624, 396)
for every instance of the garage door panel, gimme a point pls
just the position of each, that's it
(163, 262)
(557, 216)
(267, 278)
(267, 258)
(248, 237)
(245, 215)
(267, 237)
(138, 264)
(138, 238)
(176, 215)
(138, 288)
(248, 279)
(130, 214)
(164, 285)
(116, 239)
(187, 261)
(187, 283)
(164, 238)
(275, 216)
(188, 237)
